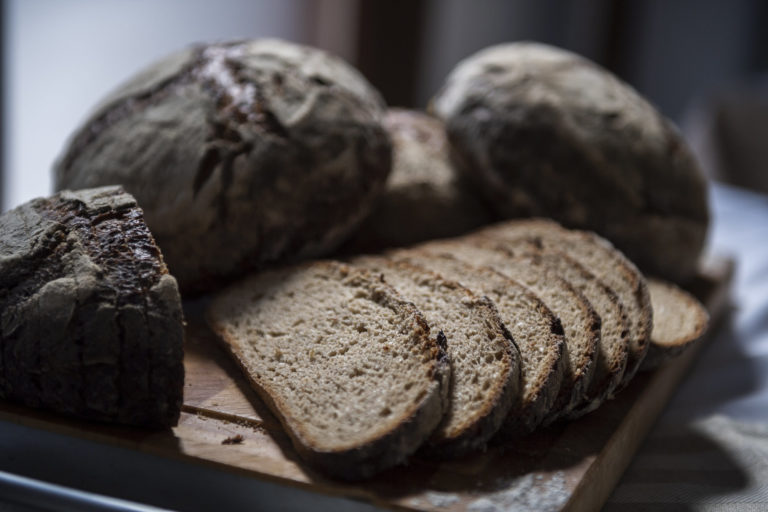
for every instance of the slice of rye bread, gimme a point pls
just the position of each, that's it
(536, 331)
(91, 321)
(679, 319)
(614, 332)
(485, 362)
(345, 362)
(580, 321)
(599, 257)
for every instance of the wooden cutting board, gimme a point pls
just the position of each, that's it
(572, 466)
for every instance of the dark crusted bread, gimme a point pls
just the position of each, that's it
(613, 345)
(485, 362)
(679, 319)
(241, 154)
(547, 133)
(536, 331)
(599, 257)
(581, 323)
(425, 197)
(91, 323)
(347, 365)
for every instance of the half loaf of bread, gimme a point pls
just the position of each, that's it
(91, 320)
(346, 364)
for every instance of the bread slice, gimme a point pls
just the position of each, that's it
(485, 363)
(346, 364)
(581, 323)
(599, 257)
(536, 331)
(614, 333)
(679, 319)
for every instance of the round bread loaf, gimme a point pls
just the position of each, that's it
(240, 154)
(425, 197)
(545, 132)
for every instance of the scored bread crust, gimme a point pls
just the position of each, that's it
(679, 320)
(461, 432)
(540, 384)
(406, 433)
(574, 310)
(615, 270)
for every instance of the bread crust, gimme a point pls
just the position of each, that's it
(388, 449)
(92, 324)
(241, 154)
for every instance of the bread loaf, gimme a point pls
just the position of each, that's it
(91, 321)
(347, 365)
(547, 133)
(241, 154)
(425, 197)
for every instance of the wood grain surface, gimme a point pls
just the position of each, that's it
(570, 466)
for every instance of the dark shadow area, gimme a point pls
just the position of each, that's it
(677, 469)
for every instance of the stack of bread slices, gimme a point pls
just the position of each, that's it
(440, 348)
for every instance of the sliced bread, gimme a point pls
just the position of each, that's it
(614, 333)
(581, 323)
(485, 363)
(679, 319)
(536, 331)
(599, 257)
(346, 364)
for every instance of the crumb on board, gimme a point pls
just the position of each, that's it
(237, 439)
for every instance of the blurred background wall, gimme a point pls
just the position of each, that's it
(60, 56)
